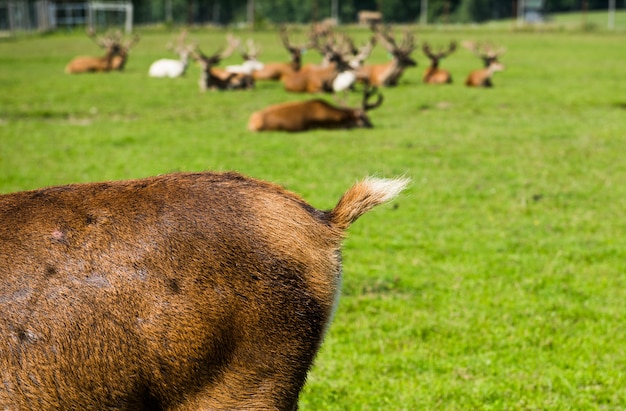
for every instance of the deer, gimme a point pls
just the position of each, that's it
(213, 78)
(388, 74)
(314, 114)
(276, 70)
(316, 79)
(433, 74)
(173, 68)
(334, 74)
(347, 76)
(183, 291)
(114, 59)
(489, 55)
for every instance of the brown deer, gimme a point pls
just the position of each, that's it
(315, 79)
(433, 74)
(185, 291)
(313, 114)
(489, 55)
(114, 59)
(213, 78)
(276, 70)
(388, 74)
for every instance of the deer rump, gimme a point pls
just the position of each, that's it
(181, 291)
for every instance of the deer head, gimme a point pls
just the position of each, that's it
(487, 52)
(400, 53)
(296, 51)
(435, 57)
(206, 62)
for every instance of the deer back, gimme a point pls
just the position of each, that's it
(182, 291)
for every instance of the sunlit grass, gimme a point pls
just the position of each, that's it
(497, 281)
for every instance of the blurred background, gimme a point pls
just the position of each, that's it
(44, 15)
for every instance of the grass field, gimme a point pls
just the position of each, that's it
(496, 282)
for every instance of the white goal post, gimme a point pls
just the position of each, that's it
(93, 7)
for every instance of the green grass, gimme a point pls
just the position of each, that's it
(496, 282)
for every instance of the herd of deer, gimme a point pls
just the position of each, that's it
(342, 67)
(187, 291)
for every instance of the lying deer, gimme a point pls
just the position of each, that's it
(276, 70)
(185, 291)
(114, 59)
(482, 77)
(316, 79)
(213, 78)
(388, 74)
(170, 67)
(313, 114)
(433, 74)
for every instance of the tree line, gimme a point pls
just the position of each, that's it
(306, 11)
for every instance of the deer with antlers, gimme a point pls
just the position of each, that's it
(489, 55)
(213, 78)
(314, 114)
(115, 58)
(276, 70)
(170, 67)
(433, 74)
(315, 79)
(388, 74)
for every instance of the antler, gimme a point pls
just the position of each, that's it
(363, 53)
(441, 54)
(233, 43)
(252, 51)
(385, 36)
(389, 42)
(285, 38)
(484, 50)
(132, 42)
(367, 94)
(102, 41)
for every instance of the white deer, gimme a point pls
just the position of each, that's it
(170, 67)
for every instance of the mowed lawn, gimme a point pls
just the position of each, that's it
(497, 281)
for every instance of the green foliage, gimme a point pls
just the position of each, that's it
(497, 281)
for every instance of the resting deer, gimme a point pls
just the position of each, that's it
(482, 77)
(213, 78)
(313, 114)
(388, 74)
(170, 67)
(114, 59)
(433, 74)
(315, 79)
(186, 291)
(276, 70)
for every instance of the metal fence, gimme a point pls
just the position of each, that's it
(44, 15)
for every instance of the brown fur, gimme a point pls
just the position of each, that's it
(489, 54)
(178, 292)
(312, 114)
(482, 77)
(115, 58)
(433, 74)
(310, 79)
(388, 74)
(88, 64)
